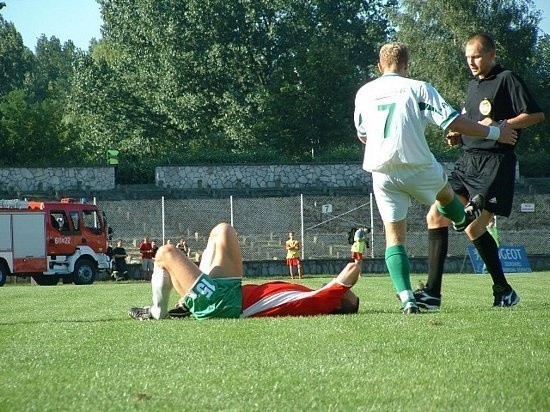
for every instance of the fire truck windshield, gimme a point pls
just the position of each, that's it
(91, 220)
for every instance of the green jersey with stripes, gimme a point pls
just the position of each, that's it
(392, 112)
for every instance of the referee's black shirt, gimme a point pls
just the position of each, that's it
(500, 95)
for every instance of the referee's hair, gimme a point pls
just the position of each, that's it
(485, 40)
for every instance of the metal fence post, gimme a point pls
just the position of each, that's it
(302, 223)
(371, 226)
(231, 209)
(163, 220)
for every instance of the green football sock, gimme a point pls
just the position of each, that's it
(399, 267)
(453, 211)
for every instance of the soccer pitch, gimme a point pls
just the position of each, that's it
(74, 348)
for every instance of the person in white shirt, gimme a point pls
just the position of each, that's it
(391, 114)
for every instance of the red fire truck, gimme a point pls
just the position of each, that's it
(52, 240)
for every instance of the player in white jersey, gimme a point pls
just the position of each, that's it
(391, 114)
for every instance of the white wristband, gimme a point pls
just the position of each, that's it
(494, 133)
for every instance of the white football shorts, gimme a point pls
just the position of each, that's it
(397, 185)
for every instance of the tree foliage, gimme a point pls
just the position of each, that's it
(186, 80)
(51, 74)
(33, 92)
(240, 81)
(31, 131)
(15, 58)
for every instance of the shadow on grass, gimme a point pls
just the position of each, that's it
(37, 322)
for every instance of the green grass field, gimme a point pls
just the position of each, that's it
(73, 348)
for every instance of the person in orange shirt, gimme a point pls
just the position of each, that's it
(292, 247)
(359, 244)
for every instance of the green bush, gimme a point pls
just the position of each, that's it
(534, 164)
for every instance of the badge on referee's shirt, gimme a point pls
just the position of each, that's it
(485, 107)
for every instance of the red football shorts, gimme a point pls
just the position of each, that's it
(290, 299)
(293, 262)
(356, 255)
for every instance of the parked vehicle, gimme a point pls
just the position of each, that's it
(53, 240)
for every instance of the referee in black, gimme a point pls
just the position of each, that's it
(494, 96)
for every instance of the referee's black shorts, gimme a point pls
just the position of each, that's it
(488, 173)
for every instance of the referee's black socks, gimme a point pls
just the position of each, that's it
(438, 245)
(488, 250)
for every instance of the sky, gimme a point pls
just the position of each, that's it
(76, 20)
(80, 20)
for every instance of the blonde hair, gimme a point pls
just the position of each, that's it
(394, 55)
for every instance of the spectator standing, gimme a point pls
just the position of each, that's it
(121, 268)
(182, 245)
(359, 244)
(154, 249)
(293, 247)
(146, 250)
(493, 230)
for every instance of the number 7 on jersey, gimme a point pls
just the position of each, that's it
(386, 117)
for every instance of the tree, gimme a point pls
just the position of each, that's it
(33, 91)
(323, 56)
(52, 69)
(15, 58)
(535, 158)
(31, 131)
(186, 80)
(540, 75)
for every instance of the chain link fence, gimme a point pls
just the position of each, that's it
(321, 223)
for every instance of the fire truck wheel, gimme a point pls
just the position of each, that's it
(4, 272)
(85, 272)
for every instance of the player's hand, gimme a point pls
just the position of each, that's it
(453, 138)
(507, 134)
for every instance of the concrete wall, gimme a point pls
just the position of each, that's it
(16, 179)
(304, 176)
(278, 269)
(338, 175)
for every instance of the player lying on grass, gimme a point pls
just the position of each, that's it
(215, 289)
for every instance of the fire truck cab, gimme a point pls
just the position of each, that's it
(52, 240)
